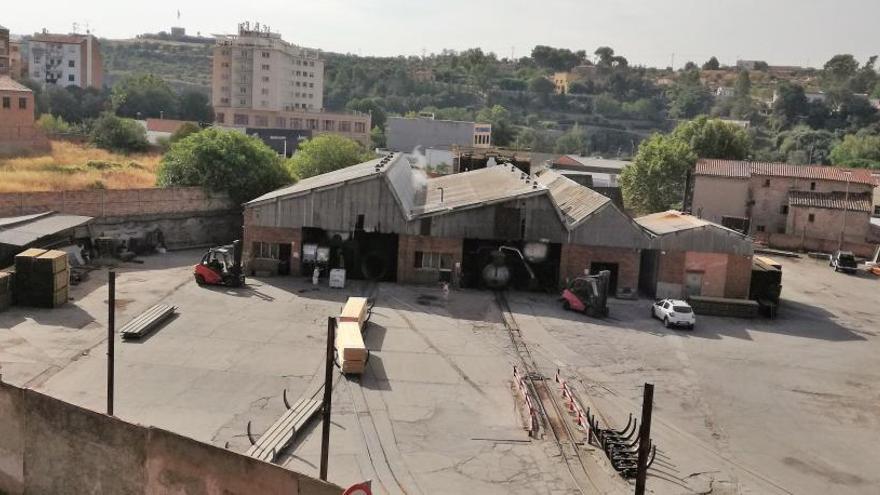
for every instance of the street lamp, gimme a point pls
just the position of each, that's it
(845, 211)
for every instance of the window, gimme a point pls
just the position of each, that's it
(811, 217)
(359, 224)
(311, 85)
(240, 119)
(224, 101)
(312, 64)
(784, 209)
(298, 73)
(812, 186)
(432, 261)
(345, 126)
(265, 54)
(22, 103)
(70, 77)
(760, 228)
(224, 64)
(70, 63)
(298, 84)
(328, 125)
(7, 102)
(311, 96)
(877, 210)
(264, 91)
(261, 121)
(360, 126)
(242, 89)
(280, 122)
(312, 124)
(425, 226)
(265, 78)
(242, 101)
(766, 182)
(265, 250)
(265, 67)
(220, 117)
(296, 123)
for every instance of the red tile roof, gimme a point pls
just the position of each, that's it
(567, 161)
(165, 125)
(831, 200)
(742, 170)
(9, 84)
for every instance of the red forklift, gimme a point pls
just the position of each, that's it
(588, 294)
(221, 266)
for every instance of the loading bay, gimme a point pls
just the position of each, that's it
(790, 405)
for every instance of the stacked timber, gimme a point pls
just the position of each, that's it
(350, 349)
(718, 306)
(41, 278)
(5, 289)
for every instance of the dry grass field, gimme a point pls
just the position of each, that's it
(72, 166)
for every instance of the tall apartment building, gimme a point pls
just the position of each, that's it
(262, 81)
(65, 60)
(4, 50)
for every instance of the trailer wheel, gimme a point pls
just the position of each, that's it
(200, 279)
(566, 305)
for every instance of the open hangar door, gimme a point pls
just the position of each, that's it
(363, 255)
(542, 258)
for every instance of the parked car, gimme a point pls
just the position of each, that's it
(844, 261)
(674, 313)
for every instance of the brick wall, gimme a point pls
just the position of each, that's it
(406, 256)
(273, 235)
(576, 258)
(739, 276)
(114, 202)
(723, 275)
(17, 129)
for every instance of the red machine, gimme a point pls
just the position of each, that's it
(221, 266)
(588, 295)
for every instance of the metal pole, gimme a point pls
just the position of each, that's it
(111, 335)
(328, 394)
(645, 439)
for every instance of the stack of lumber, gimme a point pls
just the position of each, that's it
(41, 278)
(350, 348)
(5, 290)
(718, 306)
(147, 321)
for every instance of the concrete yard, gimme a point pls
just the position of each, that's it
(790, 405)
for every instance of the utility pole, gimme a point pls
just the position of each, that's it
(111, 336)
(645, 439)
(328, 395)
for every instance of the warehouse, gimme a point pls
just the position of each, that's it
(384, 219)
(44, 230)
(690, 256)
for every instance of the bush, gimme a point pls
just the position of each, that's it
(326, 153)
(117, 134)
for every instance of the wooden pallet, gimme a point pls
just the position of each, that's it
(147, 321)
(271, 443)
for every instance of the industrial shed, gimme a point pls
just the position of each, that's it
(43, 230)
(689, 256)
(385, 219)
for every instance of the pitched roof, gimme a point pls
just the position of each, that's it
(9, 84)
(166, 125)
(59, 38)
(831, 200)
(573, 201)
(668, 222)
(477, 187)
(21, 231)
(744, 169)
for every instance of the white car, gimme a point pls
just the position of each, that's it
(674, 313)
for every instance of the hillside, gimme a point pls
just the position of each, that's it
(183, 65)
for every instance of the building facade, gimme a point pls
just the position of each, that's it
(262, 81)
(65, 60)
(17, 129)
(783, 201)
(406, 134)
(5, 50)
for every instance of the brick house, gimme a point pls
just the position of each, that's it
(792, 206)
(17, 129)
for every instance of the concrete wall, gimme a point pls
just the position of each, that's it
(405, 134)
(406, 256)
(717, 197)
(575, 259)
(49, 446)
(828, 224)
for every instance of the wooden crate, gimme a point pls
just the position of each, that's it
(51, 262)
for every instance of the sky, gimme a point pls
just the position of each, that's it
(647, 32)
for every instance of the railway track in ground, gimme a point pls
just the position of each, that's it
(552, 413)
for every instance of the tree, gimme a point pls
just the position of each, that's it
(838, 71)
(689, 66)
(377, 137)
(195, 106)
(713, 138)
(805, 146)
(541, 85)
(532, 139)
(656, 179)
(579, 88)
(572, 142)
(688, 97)
(223, 160)
(41, 100)
(743, 107)
(184, 131)
(326, 153)
(859, 150)
(372, 106)
(607, 58)
(712, 64)
(118, 134)
(143, 96)
(790, 103)
(499, 117)
(558, 59)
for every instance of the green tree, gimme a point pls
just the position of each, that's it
(53, 124)
(222, 160)
(195, 106)
(838, 71)
(790, 103)
(532, 139)
(373, 106)
(859, 150)
(541, 85)
(499, 117)
(805, 146)
(713, 138)
(326, 153)
(572, 142)
(377, 137)
(607, 59)
(656, 179)
(712, 64)
(184, 131)
(41, 100)
(687, 96)
(118, 134)
(143, 96)
(743, 106)
(62, 103)
(559, 59)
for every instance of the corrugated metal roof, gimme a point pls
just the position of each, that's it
(743, 169)
(486, 185)
(573, 201)
(24, 233)
(354, 172)
(668, 222)
(831, 200)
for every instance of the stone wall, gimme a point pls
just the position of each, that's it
(50, 446)
(808, 244)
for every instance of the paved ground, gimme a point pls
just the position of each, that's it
(784, 406)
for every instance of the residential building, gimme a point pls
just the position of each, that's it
(4, 51)
(406, 134)
(725, 92)
(262, 81)
(788, 205)
(65, 60)
(563, 80)
(17, 129)
(689, 256)
(18, 66)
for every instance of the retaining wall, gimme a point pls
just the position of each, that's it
(50, 446)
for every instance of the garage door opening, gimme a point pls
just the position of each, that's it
(614, 268)
(363, 255)
(539, 271)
